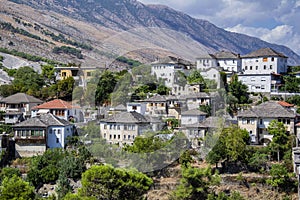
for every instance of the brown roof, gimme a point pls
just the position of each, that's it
(54, 104)
(285, 104)
(264, 52)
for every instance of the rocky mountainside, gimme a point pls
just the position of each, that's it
(118, 27)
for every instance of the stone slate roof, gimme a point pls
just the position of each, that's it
(120, 107)
(210, 122)
(20, 98)
(226, 55)
(193, 112)
(264, 52)
(126, 117)
(44, 120)
(155, 98)
(269, 109)
(207, 56)
(194, 95)
(172, 60)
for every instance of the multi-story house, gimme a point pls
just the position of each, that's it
(156, 105)
(192, 117)
(61, 109)
(197, 132)
(18, 107)
(123, 128)
(169, 70)
(35, 135)
(262, 69)
(225, 60)
(257, 119)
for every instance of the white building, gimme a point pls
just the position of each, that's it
(139, 107)
(192, 117)
(225, 60)
(257, 119)
(123, 128)
(169, 70)
(35, 135)
(261, 70)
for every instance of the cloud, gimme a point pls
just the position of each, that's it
(283, 34)
(275, 21)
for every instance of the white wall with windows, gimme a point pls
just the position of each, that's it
(256, 83)
(57, 136)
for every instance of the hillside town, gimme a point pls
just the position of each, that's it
(233, 110)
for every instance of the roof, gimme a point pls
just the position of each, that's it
(210, 122)
(44, 121)
(20, 98)
(285, 104)
(264, 52)
(270, 109)
(193, 112)
(172, 60)
(155, 98)
(207, 56)
(54, 104)
(120, 107)
(126, 117)
(226, 55)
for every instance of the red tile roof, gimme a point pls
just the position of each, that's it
(285, 104)
(54, 104)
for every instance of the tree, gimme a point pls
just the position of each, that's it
(291, 84)
(15, 188)
(65, 88)
(107, 182)
(280, 138)
(26, 79)
(195, 183)
(231, 146)
(105, 87)
(195, 78)
(238, 90)
(279, 175)
(48, 73)
(78, 93)
(9, 172)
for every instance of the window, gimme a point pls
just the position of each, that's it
(256, 67)
(246, 67)
(50, 131)
(89, 74)
(271, 66)
(118, 127)
(248, 121)
(134, 107)
(265, 59)
(105, 126)
(57, 140)
(119, 137)
(265, 66)
(250, 67)
(104, 135)
(263, 78)
(115, 136)
(262, 87)
(272, 59)
(58, 131)
(252, 79)
(128, 137)
(260, 121)
(110, 136)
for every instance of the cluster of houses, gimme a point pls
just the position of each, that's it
(38, 126)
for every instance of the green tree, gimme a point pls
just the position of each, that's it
(78, 93)
(195, 183)
(195, 77)
(27, 80)
(105, 87)
(15, 188)
(9, 172)
(291, 84)
(280, 138)
(48, 73)
(65, 88)
(279, 175)
(106, 182)
(238, 90)
(231, 146)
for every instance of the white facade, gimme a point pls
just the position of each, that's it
(206, 62)
(138, 107)
(121, 133)
(264, 65)
(232, 65)
(256, 83)
(212, 74)
(57, 136)
(191, 119)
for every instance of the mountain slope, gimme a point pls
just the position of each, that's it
(108, 17)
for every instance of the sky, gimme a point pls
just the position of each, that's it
(275, 21)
